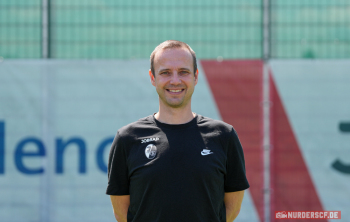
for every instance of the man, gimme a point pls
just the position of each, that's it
(176, 165)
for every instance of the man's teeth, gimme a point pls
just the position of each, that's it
(178, 90)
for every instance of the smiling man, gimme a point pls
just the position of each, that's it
(176, 165)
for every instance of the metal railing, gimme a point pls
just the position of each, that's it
(131, 29)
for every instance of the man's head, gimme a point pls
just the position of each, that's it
(174, 74)
(172, 44)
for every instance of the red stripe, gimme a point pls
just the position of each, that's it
(237, 89)
(291, 181)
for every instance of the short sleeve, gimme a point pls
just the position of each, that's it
(235, 179)
(118, 181)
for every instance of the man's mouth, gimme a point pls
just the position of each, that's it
(175, 91)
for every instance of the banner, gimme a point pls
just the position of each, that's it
(59, 117)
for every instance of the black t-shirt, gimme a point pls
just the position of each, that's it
(176, 172)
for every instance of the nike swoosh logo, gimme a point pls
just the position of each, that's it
(205, 153)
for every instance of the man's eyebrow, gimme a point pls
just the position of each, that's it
(185, 69)
(162, 70)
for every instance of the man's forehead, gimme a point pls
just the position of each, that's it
(172, 55)
(172, 51)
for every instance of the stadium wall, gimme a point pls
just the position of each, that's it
(58, 118)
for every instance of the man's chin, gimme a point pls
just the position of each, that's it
(175, 104)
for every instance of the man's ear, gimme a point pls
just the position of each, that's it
(196, 77)
(151, 77)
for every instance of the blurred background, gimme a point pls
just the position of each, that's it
(73, 72)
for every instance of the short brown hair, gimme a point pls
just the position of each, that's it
(170, 44)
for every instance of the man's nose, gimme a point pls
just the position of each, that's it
(175, 79)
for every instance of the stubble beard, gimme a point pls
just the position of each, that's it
(178, 103)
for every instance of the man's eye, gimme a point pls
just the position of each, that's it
(164, 73)
(184, 72)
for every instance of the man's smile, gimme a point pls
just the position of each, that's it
(175, 91)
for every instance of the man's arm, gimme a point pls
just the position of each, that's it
(233, 201)
(120, 207)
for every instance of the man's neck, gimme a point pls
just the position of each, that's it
(174, 115)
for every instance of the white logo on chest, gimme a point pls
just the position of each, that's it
(151, 151)
(150, 139)
(206, 152)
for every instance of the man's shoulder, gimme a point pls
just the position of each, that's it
(135, 127)
(214, 125)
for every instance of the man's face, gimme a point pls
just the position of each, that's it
(174, 78)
